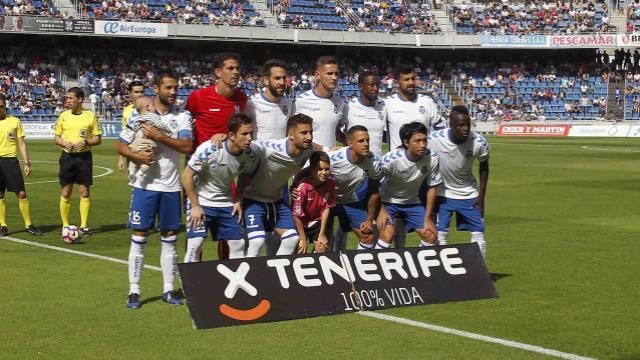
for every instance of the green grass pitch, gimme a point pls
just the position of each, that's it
(563, 225)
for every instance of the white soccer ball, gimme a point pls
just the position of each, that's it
(70, 234)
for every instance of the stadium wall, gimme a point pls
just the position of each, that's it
(89, 27)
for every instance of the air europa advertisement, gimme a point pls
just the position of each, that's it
(130, 28)
(265, 289)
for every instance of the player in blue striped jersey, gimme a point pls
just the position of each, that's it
(352, 167)
(405, 171)
(457, 148)
(206, 179)
(264, 208)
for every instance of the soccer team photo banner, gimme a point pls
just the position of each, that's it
(265, 289)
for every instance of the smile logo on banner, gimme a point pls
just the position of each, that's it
(237, 281)
(624, 39)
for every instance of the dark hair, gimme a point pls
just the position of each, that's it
(317, 157)
(76, 91)
(219, 59)
(237, 120)
(355, 129)
(460, 109)
(134, 84)
(314, 162)
(270, 64)
(408, 130)
(365, 74)
(326, 60)
(157, 78)
(401, 70)
(298, 119)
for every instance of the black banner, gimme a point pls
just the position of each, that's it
(263, 289)
(45, 24)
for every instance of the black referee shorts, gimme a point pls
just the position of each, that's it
(10, 175)
(76, 168)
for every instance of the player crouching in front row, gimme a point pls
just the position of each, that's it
(405, 170)
(206, 181)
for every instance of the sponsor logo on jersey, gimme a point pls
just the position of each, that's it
(236, 109)
(10, 135)
(380, 116)
(83, 132)
(285, 109)
(468, 154)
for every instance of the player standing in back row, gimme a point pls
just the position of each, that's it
(212, 107)
(457, 148)
(408, 106)
(324, 105)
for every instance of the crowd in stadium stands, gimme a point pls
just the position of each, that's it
(633, 16)
(29, 7)
(410, 17)
(531, 17)
(496, 92)
(219, 12)
(519, 91)
(366, 15)
(108, 78)
(31, 86)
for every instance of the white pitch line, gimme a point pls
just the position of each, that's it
(474, 336)
(610, 149)
(395, 319)
(107, 172)
(75, 252)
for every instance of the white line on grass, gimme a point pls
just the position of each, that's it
(474, 336)
(611, 149)
(107, 172)
(395, 319)
(75, 252)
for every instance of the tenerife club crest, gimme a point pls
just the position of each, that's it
(422, 110)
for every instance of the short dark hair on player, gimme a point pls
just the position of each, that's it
(299, 119)
(354, 129)
(401, 70)
(77, 92)
(237, 120)
(410, 129)
(460, 109)
(157, 78)
(219, 59)
(326, 60)
(364, 75)
(270, 64)
(134, 84)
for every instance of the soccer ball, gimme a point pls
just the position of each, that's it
(70, 234)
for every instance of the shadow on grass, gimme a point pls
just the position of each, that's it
(151, 299)
(497, 276)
